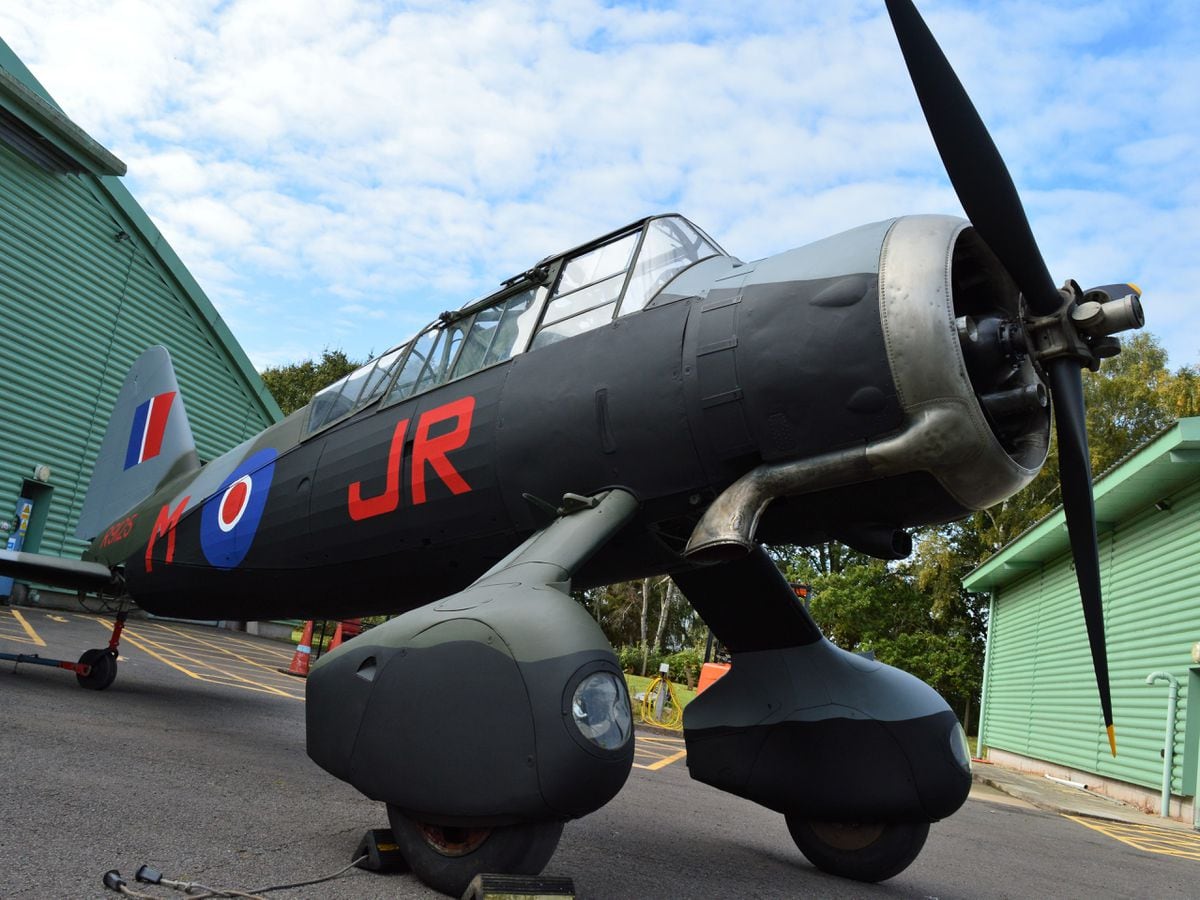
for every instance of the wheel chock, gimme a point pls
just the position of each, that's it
(520, 887)
(381, 851)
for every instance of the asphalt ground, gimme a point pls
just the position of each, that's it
(194, 762)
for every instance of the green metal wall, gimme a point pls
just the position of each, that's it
(81, 295)
(1041, 698)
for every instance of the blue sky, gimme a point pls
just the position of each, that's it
(337, 172)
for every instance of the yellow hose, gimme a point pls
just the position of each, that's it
(672, 710)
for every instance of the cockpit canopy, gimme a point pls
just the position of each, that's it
(564, 295)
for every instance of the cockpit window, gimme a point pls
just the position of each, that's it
(587, 290)
(380, 375)
(619, 273)
(442, 356)
(494, 334)
(594, 282)
(597, 265)
(328, 405)
(670, 246)
(352, 392)
(413, 364)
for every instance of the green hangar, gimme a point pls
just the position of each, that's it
(1040, 710)
(86, 284)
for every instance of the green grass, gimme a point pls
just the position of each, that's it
(638, 684)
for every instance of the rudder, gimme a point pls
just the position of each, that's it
(148, 440)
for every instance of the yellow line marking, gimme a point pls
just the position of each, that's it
(141, 642)
(186, 638)
(15, 636)
(208, 665)
(220, 649)
(162, 659)
(662, 763)
(33, 635)
(1146, 837)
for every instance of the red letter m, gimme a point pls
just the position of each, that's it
(164, 526)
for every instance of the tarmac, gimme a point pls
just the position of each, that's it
(1044, 793)
(1033, 789)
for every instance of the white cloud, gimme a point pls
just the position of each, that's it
(309, 157)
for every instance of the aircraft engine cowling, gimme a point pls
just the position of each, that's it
(501, 704)
(881, 375)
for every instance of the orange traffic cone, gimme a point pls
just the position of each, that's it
(337, 639)
(303, 654)
(347, 628)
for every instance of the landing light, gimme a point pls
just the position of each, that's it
(601, 711)
(959, 747)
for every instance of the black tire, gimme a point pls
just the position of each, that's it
(869, 852)
(447, 859)
(104, 669)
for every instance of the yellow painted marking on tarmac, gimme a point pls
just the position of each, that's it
(33, 635)
(663, 750)
(204, 664)
(662, 763)
(126, 636)
(254, 654)
(54, 618)
(266, 649)
(195, 639)
(142, 642)
(1148, 838)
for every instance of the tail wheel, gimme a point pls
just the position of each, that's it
(104, 669)
(864, 852)
(447, 857)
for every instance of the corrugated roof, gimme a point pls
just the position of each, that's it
(32, 116)
(1159, 468)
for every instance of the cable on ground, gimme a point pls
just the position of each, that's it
(197, 891)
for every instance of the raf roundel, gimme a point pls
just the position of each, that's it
(232, 514)
(234, 502)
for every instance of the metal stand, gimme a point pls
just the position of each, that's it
(95, 669)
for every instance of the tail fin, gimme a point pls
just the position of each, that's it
(148, 440)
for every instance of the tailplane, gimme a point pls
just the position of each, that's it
(148, 441)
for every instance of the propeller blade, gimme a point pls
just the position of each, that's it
(1075, 478)
(976, 170)
(989, 197)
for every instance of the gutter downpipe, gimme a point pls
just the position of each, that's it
(987, 657)
(1169, 740)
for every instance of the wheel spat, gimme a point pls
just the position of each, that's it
(986, 191)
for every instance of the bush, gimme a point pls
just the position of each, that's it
(685, 666)
(629, 658)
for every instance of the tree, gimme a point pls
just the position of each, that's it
(293, 385)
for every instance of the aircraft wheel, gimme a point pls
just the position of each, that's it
(104, 669)
(447, 858)
(868, 852)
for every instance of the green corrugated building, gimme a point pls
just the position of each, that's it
(1040, 705)
(86, 283)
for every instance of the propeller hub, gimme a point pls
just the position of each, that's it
(1083, 326)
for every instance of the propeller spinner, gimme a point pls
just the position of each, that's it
(1066, 329)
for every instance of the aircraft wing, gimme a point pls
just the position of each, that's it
(54, 570)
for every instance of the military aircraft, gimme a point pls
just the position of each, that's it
(642, 404)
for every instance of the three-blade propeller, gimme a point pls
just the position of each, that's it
(986, 191)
